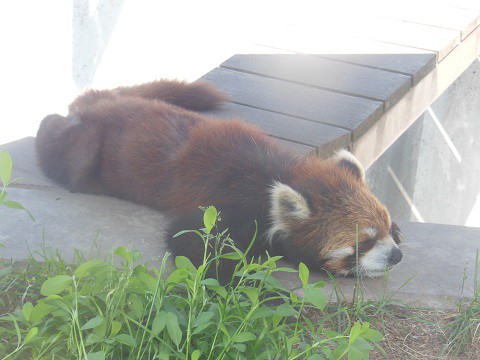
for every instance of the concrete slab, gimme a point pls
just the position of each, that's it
(436, 256)
(25, 163)
(91, 224)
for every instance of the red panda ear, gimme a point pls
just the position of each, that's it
(349, 162)
(287, 205)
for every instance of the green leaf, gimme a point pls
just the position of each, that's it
(240, 347)
(126, 339)
(304, 273)
(316, 297)
(40, 310)
(262, 312)
(341, 348)
(173, 328)
(271, 261)
(210, 217)
(85, 268)
(372, 335)
(214, 285)
(359, 350)
(201, 327)
(328, 352)
(177, 276)
(3, 194)
(183, 262)
(224, 330)
(203, 318)
(244, 337)
(93, 338)
(33, 331)
(355, 332)
(13, 205)
(135, 304)
(27, 310)
(210, 282)
(116, 326)
(252, 293)
(159, 323)
(196, 355)
(285, 269)
(123, 253)
(361, 345)
(92, 323)
(99, 355)
(186, 232)
(285, 310)
(5, 167)
(315, 357)
(149, 281)
(55, 285)
(231, 256)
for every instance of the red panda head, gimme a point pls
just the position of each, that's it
(315, 218)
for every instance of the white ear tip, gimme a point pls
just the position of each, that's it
(287, 202)
(347, 156)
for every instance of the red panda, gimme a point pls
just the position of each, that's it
(149, 144)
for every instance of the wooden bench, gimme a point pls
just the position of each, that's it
(358, 91)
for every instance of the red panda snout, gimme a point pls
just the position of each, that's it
(383, 256)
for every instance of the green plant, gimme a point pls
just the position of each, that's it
(464, 329)
(5, 175)
(96, 310)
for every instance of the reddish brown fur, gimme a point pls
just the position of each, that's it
(143, 144)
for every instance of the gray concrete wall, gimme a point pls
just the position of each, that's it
(437, 160)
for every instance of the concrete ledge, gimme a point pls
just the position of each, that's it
(89, 223)
(436, 258)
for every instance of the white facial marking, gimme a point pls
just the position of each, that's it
(287, 204)
(375, 261)
(340, 253)
(370, 231)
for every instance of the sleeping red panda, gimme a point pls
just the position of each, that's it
(148, 144)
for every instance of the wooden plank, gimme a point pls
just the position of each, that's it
(439, 40)
(348, 112)
(465, 4)
(286, 127)
(379, 55)
(417, 66)
(462, 20)
(300, 149)
(328, 74)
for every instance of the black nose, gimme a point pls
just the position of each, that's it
(395, 256)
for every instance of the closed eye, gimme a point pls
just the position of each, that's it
(366, 245)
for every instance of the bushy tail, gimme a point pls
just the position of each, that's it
(196, 96)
